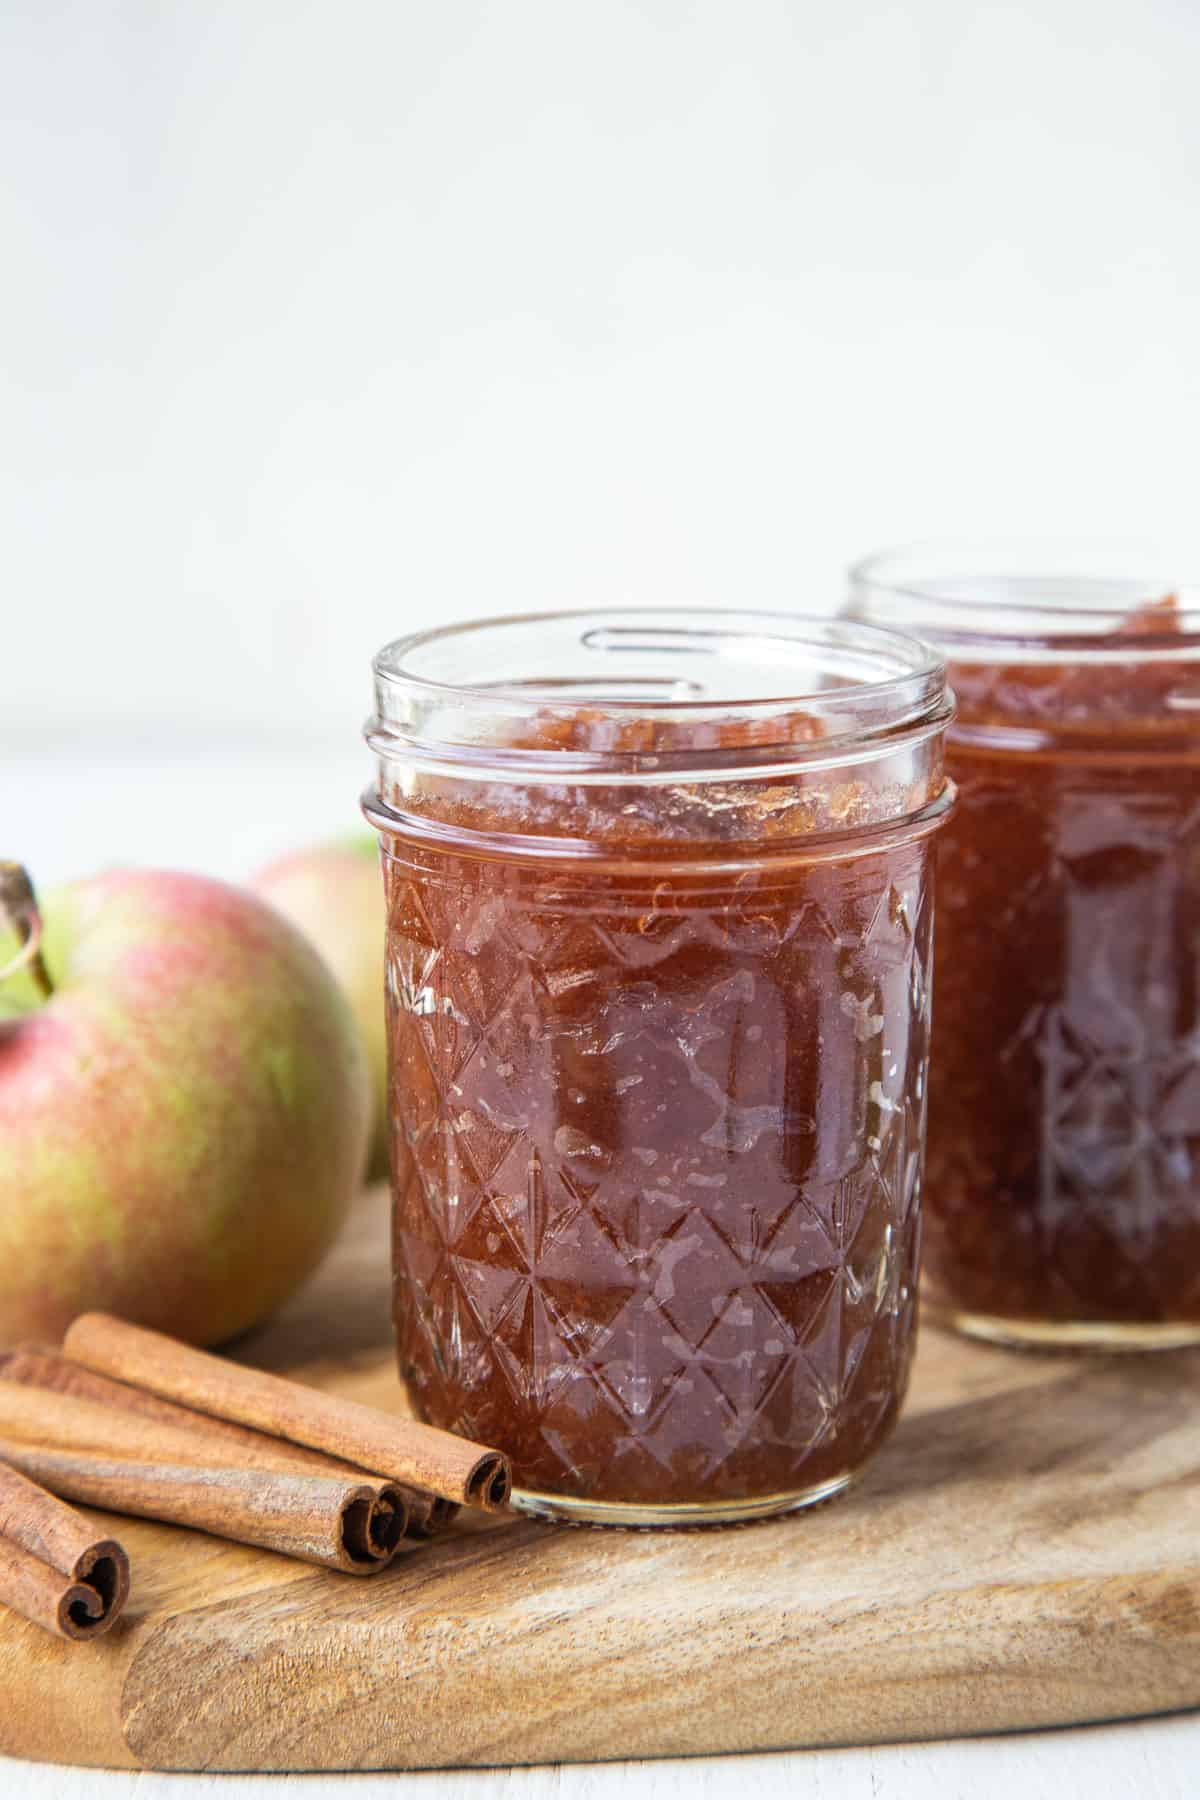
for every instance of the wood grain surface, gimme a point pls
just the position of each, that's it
(1026, 1551)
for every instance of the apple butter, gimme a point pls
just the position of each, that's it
(659, 920)
(1063, 1168)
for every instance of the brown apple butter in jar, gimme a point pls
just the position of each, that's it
(658, 946)
(1063, 1170)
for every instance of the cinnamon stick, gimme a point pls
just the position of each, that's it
(418, 1455)
(32, 1366)
(86, 1452)
(54, 1566)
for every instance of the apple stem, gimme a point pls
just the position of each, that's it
(18, 904)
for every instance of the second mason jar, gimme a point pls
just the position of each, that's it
(1063, 1190)
(659, 922)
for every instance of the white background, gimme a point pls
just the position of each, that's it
(323, 322)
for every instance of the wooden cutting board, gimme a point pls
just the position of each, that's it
(1025, 1552)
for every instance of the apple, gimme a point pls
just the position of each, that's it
(334, 893)
(184, 1105)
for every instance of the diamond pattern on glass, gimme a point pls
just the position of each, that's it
(658, 1169)
(1064, 1151)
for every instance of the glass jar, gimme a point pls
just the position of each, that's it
(1063, 1170)
(657, 979)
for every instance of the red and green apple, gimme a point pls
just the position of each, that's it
(334, 893)
(184, 1107)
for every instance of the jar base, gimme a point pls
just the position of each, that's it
(1107, 1336)
(636, 1515)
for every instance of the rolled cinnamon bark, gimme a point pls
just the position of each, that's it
(90, 1453)
(311, 1517)
(54, 1566)
(417, 1455)
(32, 1366)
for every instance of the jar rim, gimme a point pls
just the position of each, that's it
(1058, 594)
(677, 667)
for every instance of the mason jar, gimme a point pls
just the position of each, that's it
(1063, 1185)
(658, 944)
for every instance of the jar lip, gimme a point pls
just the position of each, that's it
(1057, 593)
(674, 666)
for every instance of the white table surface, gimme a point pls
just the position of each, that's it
(225, 807)
(1156, 1759)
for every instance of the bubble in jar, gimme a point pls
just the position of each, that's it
(867, 1022)
(578, 1146)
